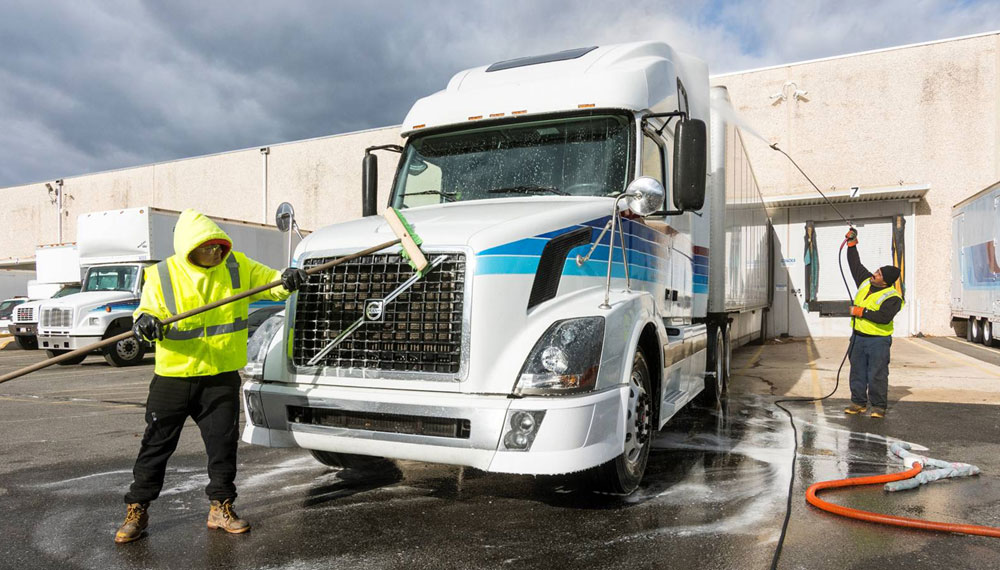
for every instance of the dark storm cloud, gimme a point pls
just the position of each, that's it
(93, 85)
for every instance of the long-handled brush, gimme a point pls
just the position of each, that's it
(406, 237)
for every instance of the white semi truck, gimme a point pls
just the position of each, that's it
(975, 264)
(57, 274)
(534, 345)
(114, 246)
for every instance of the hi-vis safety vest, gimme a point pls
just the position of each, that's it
(214, 341)
(873, 302)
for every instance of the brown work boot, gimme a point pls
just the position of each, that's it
(136, 521)
(221, 515)
(878, 412)
(855, 409)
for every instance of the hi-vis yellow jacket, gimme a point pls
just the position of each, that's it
(215, 341)
(874, 302)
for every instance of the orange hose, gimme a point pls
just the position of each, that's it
(814, 500)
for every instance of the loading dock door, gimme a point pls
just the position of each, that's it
(874, 247)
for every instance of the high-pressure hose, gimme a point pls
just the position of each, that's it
(791, 419)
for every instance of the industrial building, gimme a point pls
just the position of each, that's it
(894, 137)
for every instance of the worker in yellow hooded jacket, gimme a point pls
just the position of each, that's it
(197, 360)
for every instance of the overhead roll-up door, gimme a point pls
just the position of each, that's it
(874, 247)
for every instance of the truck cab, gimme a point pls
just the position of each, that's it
(103, 308)
(563, 318)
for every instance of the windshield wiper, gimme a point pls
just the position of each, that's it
(447, 197)
(523, 189)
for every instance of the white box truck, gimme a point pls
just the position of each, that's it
(57, 274)
(975, 264)
(114, 247)
(567, 315)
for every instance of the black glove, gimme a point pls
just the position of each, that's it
(148, 327)
(293, 278)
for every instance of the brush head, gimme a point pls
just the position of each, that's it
(408, 239)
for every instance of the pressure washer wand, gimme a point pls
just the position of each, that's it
(848, 222)
(406, 237)
(181, 316)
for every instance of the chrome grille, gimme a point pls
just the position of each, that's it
(24, 315)
(56, 318)
(420, 331)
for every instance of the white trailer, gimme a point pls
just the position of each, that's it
(567, 315)
(57, 274)
(114, 246)
(975, 264)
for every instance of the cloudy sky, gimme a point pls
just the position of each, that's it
(92, 85)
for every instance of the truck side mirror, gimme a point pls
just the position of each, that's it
(369, 184)
(690, 164)
(644, 195)
(284, 217)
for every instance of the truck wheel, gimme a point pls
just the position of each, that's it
(727, 343)
(26, 342)
(622, 474)
(976, 330)
(987, 328)
(75, 360)
(365, 463)
(715, 371)
(126, 352)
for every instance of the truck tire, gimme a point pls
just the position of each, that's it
(975, 330)
(727, 343)
(716, 383)
(987, 328)
(366, 463)
(75, 360)
(621, 475)
(26, 342)
(126, 352)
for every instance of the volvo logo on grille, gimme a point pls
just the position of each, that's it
(374, 310)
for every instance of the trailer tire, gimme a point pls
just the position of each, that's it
(366, 463)
(126, 352)
(75, 360)
(727, 342)
(988, 338)
(26, 342)
(621, 475)
(975, 330)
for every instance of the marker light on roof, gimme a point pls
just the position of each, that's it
(521, 112)
(420, 126)
(585, 106)
(476, 118)
(495, 115)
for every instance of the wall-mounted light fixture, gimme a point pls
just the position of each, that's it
(796, 93)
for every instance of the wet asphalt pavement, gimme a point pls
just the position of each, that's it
(713, 495)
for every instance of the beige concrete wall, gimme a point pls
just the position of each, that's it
(919, 114)
(320, 177)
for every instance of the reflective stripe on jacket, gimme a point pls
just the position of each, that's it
(873, 302)
(214, 341)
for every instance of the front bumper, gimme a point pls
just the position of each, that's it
(65, 342)
(576, 433)
(23, 329)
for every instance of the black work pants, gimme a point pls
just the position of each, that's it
(213, 402)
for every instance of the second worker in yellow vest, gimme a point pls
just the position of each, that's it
(875, 305)
(197, 360)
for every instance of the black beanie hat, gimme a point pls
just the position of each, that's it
(890, 274)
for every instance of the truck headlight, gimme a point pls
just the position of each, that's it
(565, 359)
(93, 321)
(259, 343)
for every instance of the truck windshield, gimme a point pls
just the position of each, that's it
(576, 156)
(111, 278)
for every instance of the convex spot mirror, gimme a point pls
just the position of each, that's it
(284, 216)
(644, 195)
(690, 162)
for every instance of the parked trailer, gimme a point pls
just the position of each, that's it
(57, 274)
(567, 316)
(114, 247)
(975, 264)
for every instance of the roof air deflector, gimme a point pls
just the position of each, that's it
(536, 59)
